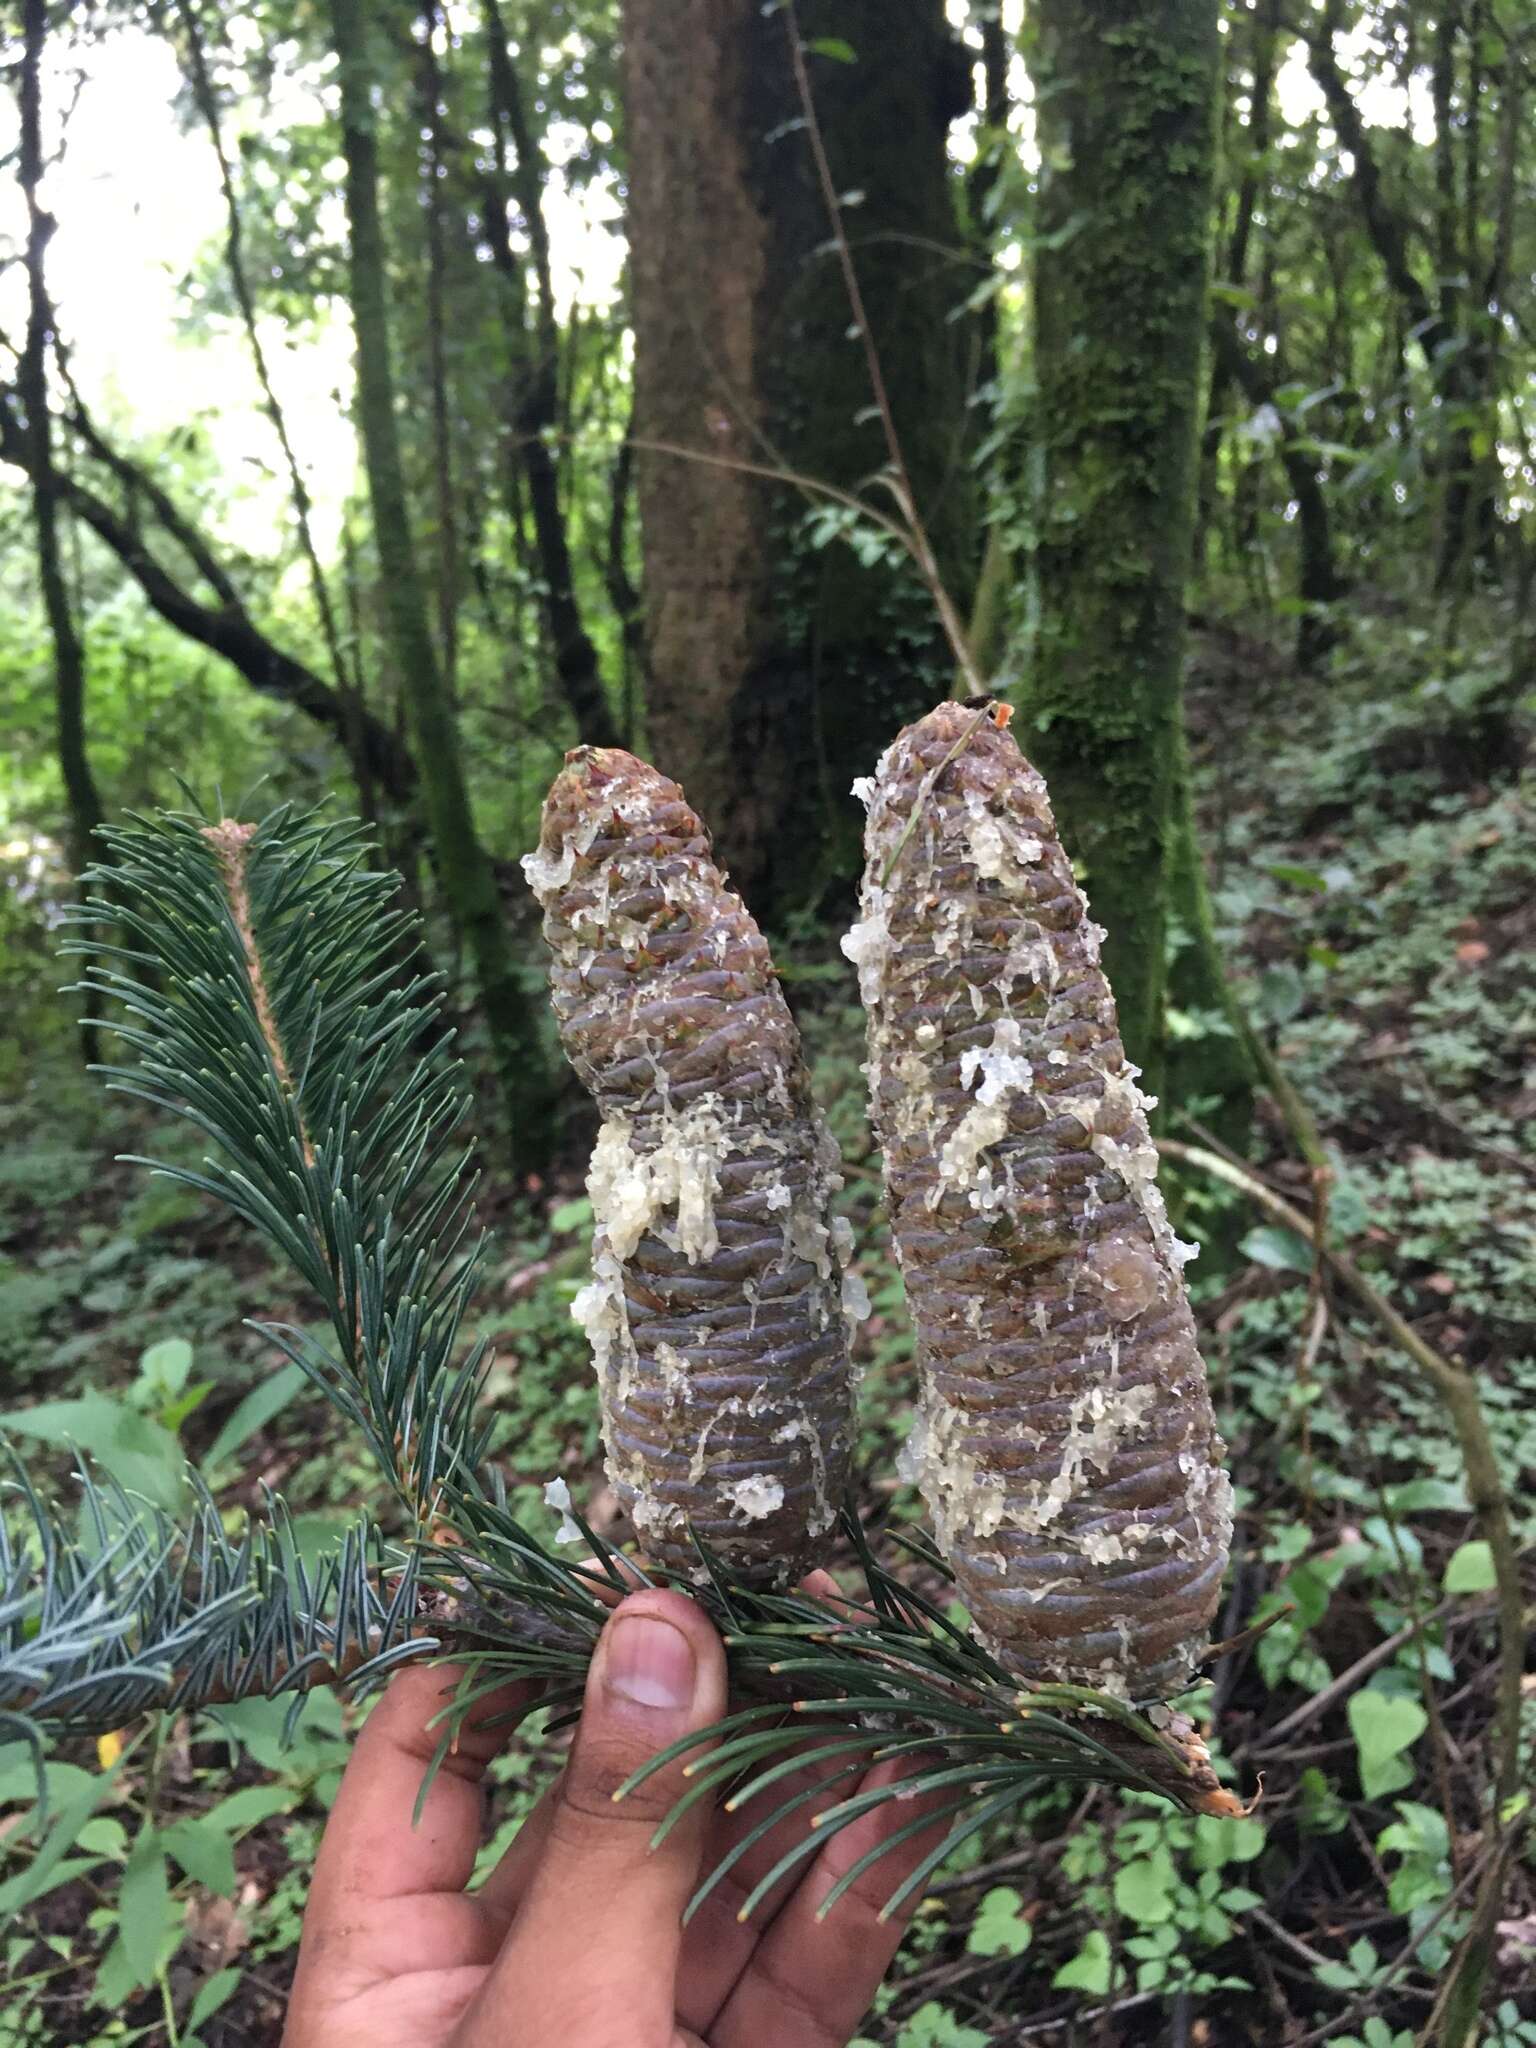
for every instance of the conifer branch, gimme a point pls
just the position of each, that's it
(263, 1004)
(117, 1610)
(254, 975)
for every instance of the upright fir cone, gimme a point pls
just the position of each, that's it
(1065, 1443)
(720, 1301)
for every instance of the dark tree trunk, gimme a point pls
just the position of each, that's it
(81, 794)
(1126, 111)
(1318, 582)
(465, 871)
(445, 506)
(1457, 340)
(779, 669)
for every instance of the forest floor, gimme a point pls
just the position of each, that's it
(1375, 874)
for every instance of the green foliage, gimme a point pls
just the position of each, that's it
(1175, 1881)
(1368, 832)
(999, 1929)
(1385, 1725)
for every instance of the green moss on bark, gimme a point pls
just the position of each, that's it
(1126, 98)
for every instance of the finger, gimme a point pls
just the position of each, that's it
(718, 1944)
(821, 1585)
(810, 1981)
(505, 1888)
(373, 1847)
(659, 1673)
(371, 1853)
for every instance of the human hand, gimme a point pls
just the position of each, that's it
(576, 1937)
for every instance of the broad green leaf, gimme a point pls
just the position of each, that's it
(39, 1880)
(834, 47)
(257, 1409)
(1428, 1497)
(251, 1805)
(204, 1852)
(211, 1996)
(1271, 1245)
(167, 1364)
(138, 1453)
(1299, 877)
(1470, 1569)
(998, 1929)
(259, 1724)
(144, 1908)
(571, 1215)
(1384, 1725)
(43, 1873)
(18, 1777)
(115, 1981)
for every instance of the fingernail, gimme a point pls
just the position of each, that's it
(650, 1662)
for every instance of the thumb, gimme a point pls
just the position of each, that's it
(593, 1950)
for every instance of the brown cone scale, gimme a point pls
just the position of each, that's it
(718, 1307)
(1065, 1442)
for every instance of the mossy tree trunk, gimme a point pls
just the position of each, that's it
(464, 869)
(780, 669)
(1126, 108)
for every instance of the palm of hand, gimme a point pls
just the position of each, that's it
(575, 1937)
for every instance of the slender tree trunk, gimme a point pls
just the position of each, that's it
(535, 390)
(1251, 147)
(1126, 107)
(1318, 582)
(996, 53)
(464, 869)
(780, 668)
(622, 594)
(81, 794)
(445, 509)
(353, 726)
(1457, 342)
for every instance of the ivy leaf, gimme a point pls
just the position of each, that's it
(999, 1929)
(1089, 1970)
(1282, 992)
(1144, 1890)
(1384, 1725)
(935, 2026)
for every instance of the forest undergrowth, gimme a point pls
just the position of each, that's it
(1374, 875)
